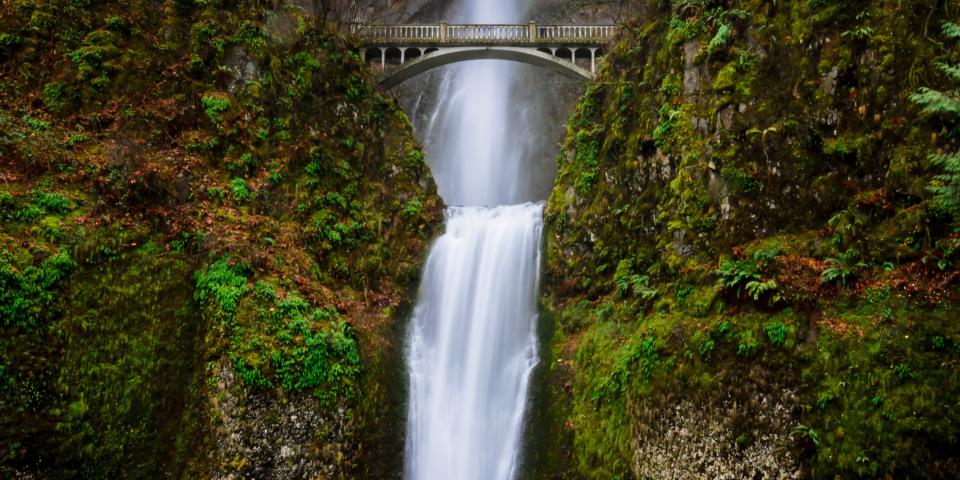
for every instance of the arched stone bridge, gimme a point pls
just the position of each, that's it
(399, 52)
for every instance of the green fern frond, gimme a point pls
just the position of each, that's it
(952, 71)
(951, 30)
(933, 101)
(721, 39)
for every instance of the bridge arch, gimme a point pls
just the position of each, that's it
(446, 56)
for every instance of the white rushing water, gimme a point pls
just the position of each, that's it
(473, 345)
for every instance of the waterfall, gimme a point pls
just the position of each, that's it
(472, 343)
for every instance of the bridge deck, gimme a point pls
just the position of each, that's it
(529, 34)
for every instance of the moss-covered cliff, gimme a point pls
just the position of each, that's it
(209, 221)
(746, 272)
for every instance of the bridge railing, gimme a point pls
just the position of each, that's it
(488, 33)
(443, 33)
(574, 33)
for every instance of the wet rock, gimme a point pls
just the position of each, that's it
(691, 73)
(720, 439)
(259, 436)
(829, 81)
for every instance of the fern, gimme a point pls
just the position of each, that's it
(951, 30)
(642, 288)
(757, 289)
(844, 268)
(721, 39)
(951, 71)
(628, 282)
(946, 185)
(936, 102)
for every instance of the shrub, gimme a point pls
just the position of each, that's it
(36, 124)
(239, 190)
(214, 105)
(51, 202)
(777, 332)
(53, 95)
(93, 59)
(26, 295)
(224, 285)
(412, 209)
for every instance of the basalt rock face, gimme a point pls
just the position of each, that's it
(739, 250)
(210, 223)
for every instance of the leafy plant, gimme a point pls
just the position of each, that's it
(214, 105)
(224, 284)
(860, 31)
(758, 289)
(746, 275)
(681, 30)
(36, 124)
(413, 209)
(808, 433)
(669, 117)
(8, 40)
(51, 202)
(239, 189)
(747, 344)
(722, 38)
(53, 93)
(903, 372)
(945, 186)
(777, 332)
(94, 58)
(27, 294)
(844, 268)
(642, 350)
(626, 282)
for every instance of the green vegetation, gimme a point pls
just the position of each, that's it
(192, 240)
(946, 186)
(797, 215)
(278, 339)
(27, 294)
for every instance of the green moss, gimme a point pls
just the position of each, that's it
(126, 383)
(798, 180)
(27, 293)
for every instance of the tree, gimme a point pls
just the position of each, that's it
(945, 186)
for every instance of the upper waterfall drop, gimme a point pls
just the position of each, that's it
(475, 143)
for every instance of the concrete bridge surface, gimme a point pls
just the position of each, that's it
(399, 52)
